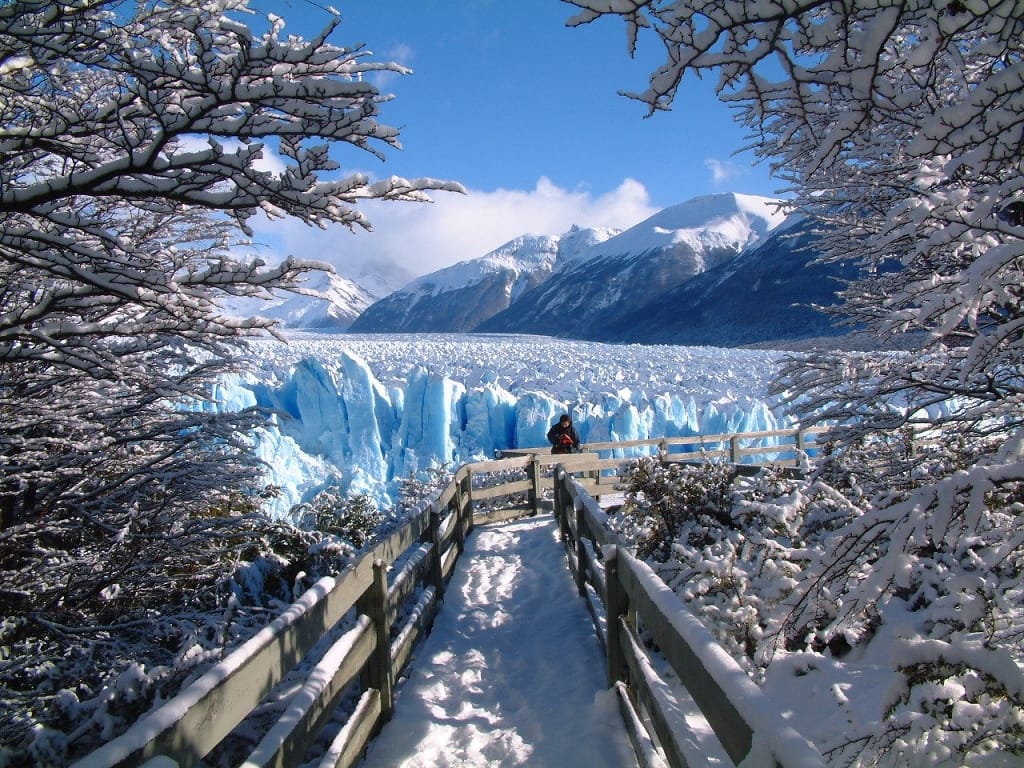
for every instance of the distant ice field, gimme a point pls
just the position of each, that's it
(361, 412)
(561, 367)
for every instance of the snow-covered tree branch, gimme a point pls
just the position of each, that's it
(133, 141)
(136, 142)
(899, 128)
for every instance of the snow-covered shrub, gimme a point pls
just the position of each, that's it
(78, 676)
(730, 560)
(952, 712)
(662, 499)
(352, 519)
(936, 574)
(799, 570)
(425, 484)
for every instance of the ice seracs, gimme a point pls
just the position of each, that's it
(362, 412)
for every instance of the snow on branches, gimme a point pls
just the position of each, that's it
(898, 127)
(136, 142)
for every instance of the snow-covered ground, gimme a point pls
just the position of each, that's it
(511, 674)
(361, 411)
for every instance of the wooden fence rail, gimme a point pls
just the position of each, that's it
(627, 600)
(352, 635)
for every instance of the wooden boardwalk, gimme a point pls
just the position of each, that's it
(512, 673)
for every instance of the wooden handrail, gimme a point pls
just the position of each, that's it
(361, 611)
(625, 595)
(803, 438)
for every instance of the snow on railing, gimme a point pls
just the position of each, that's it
(715, 714)
(783, 447)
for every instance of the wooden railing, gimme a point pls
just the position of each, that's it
(353, 634)
(598, 466)
(626, 600)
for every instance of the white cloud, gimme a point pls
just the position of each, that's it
(427, 237)
(721, 171)
(403, 53)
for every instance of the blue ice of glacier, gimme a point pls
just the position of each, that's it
(333, 423)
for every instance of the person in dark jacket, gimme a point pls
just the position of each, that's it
(563, 437)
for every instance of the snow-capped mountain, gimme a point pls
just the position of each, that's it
(379, 278)
(719, 270)
(608, 280)
(559, 285)
(336, 303)
(764, 294)
(465, 295)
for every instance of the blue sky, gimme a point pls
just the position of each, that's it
(524, 112)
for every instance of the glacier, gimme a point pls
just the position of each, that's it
(363, 412)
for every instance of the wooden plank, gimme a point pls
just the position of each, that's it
(596, 611)
(573, 563)
(507, 489)
(596, 464)
(446, 495)
(420, 618)
(732, 730)
(664, 726)
(448, 562)
(717, 453)
(446, 529)
(646, 752)
(594, 517)
(504, 514)
(398, 542)
(574, 462)
(656, 442)
(650, 442)
(407, 581)
(347, 747)
(586, 555)
(501, 465)
(310, 707)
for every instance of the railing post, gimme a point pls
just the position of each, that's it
(618, 604)
(581, 552)
(433, 535)
(556, 477)
(533, 472)
(563, 499)
(462, 523)
(466, 501)
(734, 449)
(374, 603)
(801, 445)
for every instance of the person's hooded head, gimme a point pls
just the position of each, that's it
(564, 420)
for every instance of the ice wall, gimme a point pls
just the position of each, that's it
(343, 427)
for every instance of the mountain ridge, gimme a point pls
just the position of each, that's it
(460, 297)
(725, 269)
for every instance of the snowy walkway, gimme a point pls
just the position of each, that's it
(512, 673)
